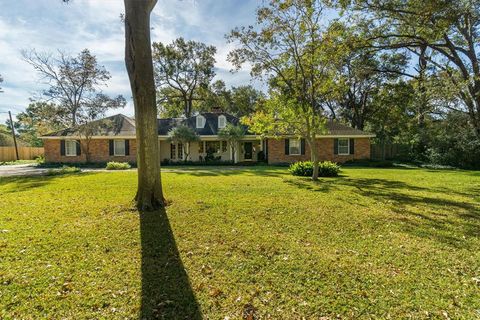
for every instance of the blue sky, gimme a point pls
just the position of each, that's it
(50, 25)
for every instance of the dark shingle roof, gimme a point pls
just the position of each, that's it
(210, 128)
(337, 129)
(124, 126)
(117, 125)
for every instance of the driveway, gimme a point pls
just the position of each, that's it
(19, 170)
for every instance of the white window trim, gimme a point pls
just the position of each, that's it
(290, 147)
(224, 119)
(202, 120)
(348, 147)
(67, 149)
(115, 153)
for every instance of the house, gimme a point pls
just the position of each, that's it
(116, 142)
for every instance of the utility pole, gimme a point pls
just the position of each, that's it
(13, 134)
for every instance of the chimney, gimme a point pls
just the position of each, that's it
(217, 110)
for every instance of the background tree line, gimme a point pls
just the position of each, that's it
(406, 71)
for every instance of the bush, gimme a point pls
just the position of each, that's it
(305, 169)
(62, 170)
(112, 165)
(40, 159)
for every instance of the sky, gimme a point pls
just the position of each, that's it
(50, 25)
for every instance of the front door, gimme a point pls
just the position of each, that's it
(247, 146)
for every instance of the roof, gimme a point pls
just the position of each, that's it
(335, 128)
(117, 125)
(124, 126)
(210, 128)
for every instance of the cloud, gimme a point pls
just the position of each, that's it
(95, 24)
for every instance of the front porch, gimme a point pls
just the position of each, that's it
(210, 149)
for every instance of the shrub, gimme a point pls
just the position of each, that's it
(112, 165)
(40, 159)
(62, 170)
(305, 169)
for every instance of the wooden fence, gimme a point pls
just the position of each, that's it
(388, 151)
(24, 153)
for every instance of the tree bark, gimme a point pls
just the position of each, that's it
(314, 157)
(138, 60)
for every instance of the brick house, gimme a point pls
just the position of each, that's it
(117, 143)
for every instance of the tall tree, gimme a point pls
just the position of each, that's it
(138, 60)
(184, 66)
(289, 47)
(74, 83)
(449, 29)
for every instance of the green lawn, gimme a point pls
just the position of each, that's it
(373, 243)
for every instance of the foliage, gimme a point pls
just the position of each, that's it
(441, 34)
(232, 134)
(297, 55)
(40, 159)
(63, 170)
(305, 169)
(183, 67)
(255, 233)
(239, 101)
(185, 135)
(113, 165)
(453, 142)
(74, 84)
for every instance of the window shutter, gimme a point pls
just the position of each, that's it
(127, 147)
(79, 149)
(302, 146)
(62, 147)
(110, 147)
(352, 145)
(335, 146)
(287, 146)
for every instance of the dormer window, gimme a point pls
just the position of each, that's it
(200, 122)
(222, 122)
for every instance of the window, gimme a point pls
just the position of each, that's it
(118, 147)
(200, 122)
(201, 147)
(343, 146)
(70, 148)
(212, 146)
(295, 147)
(180, 151)
(224, 146)
(173, 148)
(222, 121)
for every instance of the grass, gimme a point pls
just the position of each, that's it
(9, 163)
(252, 243)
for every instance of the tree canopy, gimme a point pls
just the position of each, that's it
(183, 67)
(74, 84)
(293, 52)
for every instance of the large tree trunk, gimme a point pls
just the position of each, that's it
(138, 59)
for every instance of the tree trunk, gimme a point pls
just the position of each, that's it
(314, 157)
(138, 60)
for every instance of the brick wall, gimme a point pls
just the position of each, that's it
(99, 152)
(276, 151)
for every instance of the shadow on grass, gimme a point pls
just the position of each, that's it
(205, 171)
(25, 183)
(166, 290)
(426, 212)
